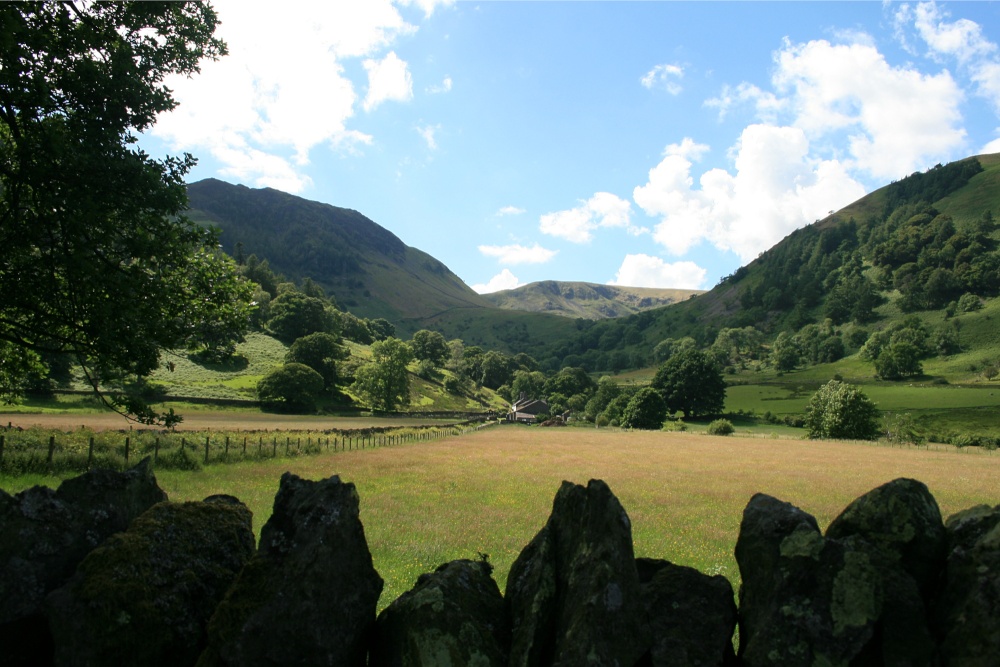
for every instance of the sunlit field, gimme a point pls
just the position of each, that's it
(490, 492)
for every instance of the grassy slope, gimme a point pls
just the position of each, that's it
(491, 491)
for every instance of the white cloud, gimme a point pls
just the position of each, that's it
(428, 6)
(443, 87)
(665, 76)
(510, 210)
(388, 79)
(429, 132)
(896, 119)
(501, 281)
(767, 104)
(646, 271)
(961, 39)
(282, 89)
(578, 224)
(991, 147)
(776, 189)
(518, 254)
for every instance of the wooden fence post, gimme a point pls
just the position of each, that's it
(90, 453)
(227, 445)
(274, 447)
(244, 446)
(52, 449)
(156, 450)
(127, 443)
(207, 438)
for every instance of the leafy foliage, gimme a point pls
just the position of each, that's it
(721, 427)
(96, 259)
(841, 410)
(384, 382)
(293, 388)
(692, 383)
(319, 351)
(645, 410)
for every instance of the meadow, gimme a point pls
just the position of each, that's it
(490, 491)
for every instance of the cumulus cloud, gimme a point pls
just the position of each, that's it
(962, 40)
(501, 281)
(664, 76)
(428, 6)
(510, 210)
(578, 224)
(259, 110)
(896, 118)
(518, 254)
(388, 79)
(646, 271)
(777, 188)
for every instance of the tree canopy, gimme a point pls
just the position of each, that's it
(97, 260)
(384, 382)
(841, 410)
(690, 381)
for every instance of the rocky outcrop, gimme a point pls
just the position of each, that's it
(308, 596)
(45, 534)
(968, 610)
(453, 616)
(573, 593)
(691, 616)
(144, 597)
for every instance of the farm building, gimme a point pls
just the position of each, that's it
(526, 409)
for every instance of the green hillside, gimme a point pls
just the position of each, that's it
(913, 246)
(366, 268)
(586, 300)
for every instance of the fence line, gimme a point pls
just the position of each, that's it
(41, 451)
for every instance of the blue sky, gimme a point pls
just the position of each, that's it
(658, 144)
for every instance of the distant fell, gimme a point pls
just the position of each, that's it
(589, 301)
(368, 269)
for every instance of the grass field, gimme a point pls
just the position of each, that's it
(491, 491)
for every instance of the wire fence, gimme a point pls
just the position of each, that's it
(47, 451)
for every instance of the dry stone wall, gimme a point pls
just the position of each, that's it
(106, 571)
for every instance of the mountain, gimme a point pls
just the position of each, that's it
(365, 267)
(586, 300)
(913, 246)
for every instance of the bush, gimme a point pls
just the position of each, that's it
(645, 410)
(841, 410)
(293, 387)
(721, 427)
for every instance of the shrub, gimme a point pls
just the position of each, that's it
(721, 427)
(645, 410)
(841, 410)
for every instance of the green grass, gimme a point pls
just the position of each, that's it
(491, 491)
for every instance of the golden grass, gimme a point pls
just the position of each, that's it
(491, 491)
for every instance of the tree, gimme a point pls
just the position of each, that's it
(690, 381)
(645, 410)
(319, 351)
(430, 345)
(785, 352)
(97, 259)
(294, 315)
(841, 410)
(290, 388)
(384, 382)
(897, 361)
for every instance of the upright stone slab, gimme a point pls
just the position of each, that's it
(144, 597)
(453, 616)
(573, 593)
(45, 533)
(308, 596)
(808, 600)
(967, 619)
(691, 615)
(902, 520)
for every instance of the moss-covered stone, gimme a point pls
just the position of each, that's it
(967, 618)
(902, 520)
(144, 597)
(308, 596)
(45, 534)
(454, 616)
(573, 593)
(691, 615)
